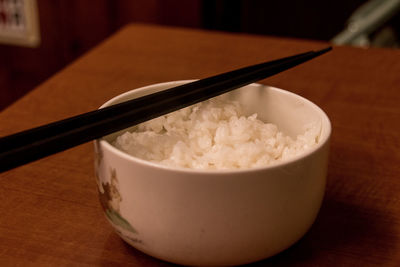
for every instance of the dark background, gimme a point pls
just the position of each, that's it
(68, 28)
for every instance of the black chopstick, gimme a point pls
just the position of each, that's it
(36, 143)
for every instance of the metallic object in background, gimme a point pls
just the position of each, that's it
(366, 20)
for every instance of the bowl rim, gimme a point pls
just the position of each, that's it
(273, 165)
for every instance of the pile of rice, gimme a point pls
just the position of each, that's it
(214, 134)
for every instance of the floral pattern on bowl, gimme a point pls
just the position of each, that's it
(110, 199)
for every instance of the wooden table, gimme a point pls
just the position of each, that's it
(49, 209)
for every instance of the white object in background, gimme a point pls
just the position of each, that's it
(365, 20)
(19, 23)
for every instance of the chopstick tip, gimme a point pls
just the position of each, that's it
(323, 51)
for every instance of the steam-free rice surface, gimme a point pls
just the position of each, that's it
(214, 134)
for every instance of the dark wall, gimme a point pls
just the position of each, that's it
(301, 19)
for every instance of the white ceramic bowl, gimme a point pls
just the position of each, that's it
(196, 217)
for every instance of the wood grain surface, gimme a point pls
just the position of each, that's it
(49, 209)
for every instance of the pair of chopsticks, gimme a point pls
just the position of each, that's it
(36, 143)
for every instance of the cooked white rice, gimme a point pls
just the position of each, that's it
(214, 134)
